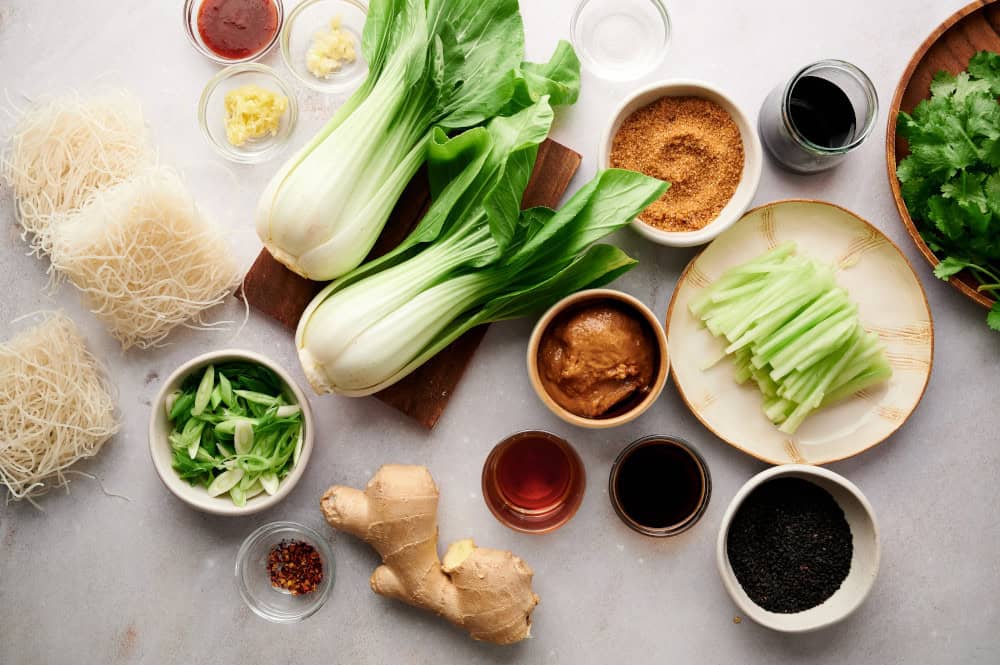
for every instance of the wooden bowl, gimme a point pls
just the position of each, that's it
(973, 28)
(890, 301)
(630, 410)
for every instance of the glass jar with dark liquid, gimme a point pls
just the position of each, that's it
(824, 112)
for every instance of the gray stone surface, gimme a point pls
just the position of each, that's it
(97, 579)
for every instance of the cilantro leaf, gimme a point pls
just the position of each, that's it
(986, 65)
(949, 267)
(993, 318)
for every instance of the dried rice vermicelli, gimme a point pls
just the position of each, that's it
(56, 406)
(144, 257)
(64, 149)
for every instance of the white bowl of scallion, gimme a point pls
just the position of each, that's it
(230, 433)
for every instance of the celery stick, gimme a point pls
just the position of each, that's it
(820, 308)
(816, 340)
(867, 379)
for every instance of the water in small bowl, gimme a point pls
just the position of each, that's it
(621, 39)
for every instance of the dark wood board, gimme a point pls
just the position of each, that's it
(274, 290)
(974, 28)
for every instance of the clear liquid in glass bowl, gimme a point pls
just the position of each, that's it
(621, 39)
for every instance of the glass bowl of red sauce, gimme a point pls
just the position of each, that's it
(233, 31)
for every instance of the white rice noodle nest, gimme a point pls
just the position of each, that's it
(56, 407)
(144, 257)
(66, 148)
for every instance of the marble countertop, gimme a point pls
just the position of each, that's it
(145, 579)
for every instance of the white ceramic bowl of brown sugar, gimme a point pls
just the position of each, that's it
(706, 147)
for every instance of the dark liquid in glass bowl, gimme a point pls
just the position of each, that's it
(660, 486)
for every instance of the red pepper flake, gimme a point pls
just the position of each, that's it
(295, 566)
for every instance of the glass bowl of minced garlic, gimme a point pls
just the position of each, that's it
(247, 112)
(321, 44)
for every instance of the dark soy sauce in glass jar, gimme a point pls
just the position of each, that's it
(812, 122)
(821, 112)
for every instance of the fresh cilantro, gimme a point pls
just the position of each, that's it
(951, 179)
(993, 318)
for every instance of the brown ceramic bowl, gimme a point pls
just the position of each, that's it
(630, 409)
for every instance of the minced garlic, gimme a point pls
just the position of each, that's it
(330, 50)
(252, 112)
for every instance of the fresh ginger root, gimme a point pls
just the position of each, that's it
(486, 592)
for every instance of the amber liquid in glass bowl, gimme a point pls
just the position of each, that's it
(533, 482)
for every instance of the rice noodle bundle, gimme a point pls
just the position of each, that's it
(56, 406)
(144, 257)
(65, 149)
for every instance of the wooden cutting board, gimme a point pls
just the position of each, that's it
(274, 290)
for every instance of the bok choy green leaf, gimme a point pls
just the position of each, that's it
(433, 65)
(475, 258)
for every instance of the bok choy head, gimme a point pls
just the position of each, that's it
(448, 64)
(475, 258)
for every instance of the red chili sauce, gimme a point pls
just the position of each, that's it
(236, 29)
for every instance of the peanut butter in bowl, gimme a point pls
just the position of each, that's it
(598, 359)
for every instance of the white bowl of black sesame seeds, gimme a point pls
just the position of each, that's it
(798, 549)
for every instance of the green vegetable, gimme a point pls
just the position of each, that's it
(473, 259)
(243, 440)
(951, 179)
(447, 64)
(793, 331)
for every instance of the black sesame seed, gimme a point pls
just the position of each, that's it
(790, 545)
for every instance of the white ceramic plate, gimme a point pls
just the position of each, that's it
(890, 300)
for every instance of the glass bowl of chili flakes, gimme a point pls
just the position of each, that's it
(284, 572)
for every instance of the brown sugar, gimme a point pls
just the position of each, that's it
(693, 144)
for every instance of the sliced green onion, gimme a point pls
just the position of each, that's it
(204, 393)
(243, 437)
(225, 481)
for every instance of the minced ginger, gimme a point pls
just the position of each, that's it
(330, 50)
(253, 112)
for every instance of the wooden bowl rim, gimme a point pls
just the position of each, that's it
(890, 146)
(824, 462)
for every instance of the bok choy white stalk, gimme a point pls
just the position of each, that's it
(451, 64)
(475, 258)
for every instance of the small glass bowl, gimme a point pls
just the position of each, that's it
(621, 40)
(191, 10)
(543, 519)
(212, 113)
(254, 581)
(312, 16)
